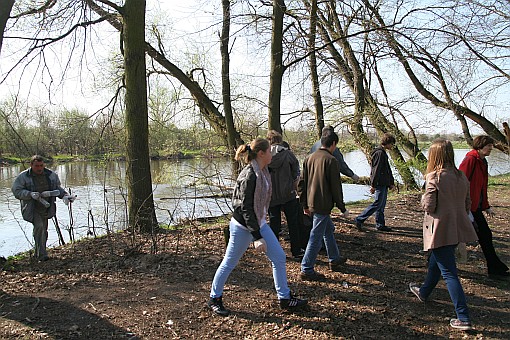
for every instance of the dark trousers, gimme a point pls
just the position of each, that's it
(494, 264)
(293, 214)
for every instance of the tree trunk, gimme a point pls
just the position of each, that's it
(5, 12)
(277, 68)
(225, 79)
(316, 92)
(142, 215)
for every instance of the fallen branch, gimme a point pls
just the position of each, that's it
(195, 197)
(36, 304)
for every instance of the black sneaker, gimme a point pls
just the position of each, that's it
(314, 276)
(337, 264)
(462, 325)
(383, 228)
(292, 303)
(216, 304)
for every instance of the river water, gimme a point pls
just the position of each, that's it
(184, 189)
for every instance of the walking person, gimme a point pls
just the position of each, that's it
(343, 167)
(284, 170)
(37, 188)
(381, 179)
(475, 167)
(250, 201)
(446, 202)
(319, 190)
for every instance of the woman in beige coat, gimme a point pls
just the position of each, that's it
(446, 203)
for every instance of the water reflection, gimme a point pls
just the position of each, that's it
(185, 189)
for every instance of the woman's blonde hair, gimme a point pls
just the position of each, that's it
(441, 156)
(248, 152)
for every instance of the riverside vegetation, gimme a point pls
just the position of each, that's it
(94, 289)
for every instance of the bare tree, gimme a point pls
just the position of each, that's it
(225, 78)
(365, 106)
(277, 67)
(413, 49)
(141, 211)
(208, 109)
(316, 91)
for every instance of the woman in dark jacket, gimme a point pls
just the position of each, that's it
(381, 180)
(475, 167)
(250, 202)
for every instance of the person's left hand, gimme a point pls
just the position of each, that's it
(346, 214)
(489, 213)
(260, 245)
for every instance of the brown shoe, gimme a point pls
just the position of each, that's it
(312, 276)
(337, 264)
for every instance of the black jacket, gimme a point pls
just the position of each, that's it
(243, 201)
(380, 173)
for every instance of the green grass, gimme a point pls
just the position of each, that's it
(500, 180)
(455, 144)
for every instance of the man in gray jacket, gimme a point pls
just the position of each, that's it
(344, 168)
(37, 188)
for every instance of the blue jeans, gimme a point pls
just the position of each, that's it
(381, 194)
(239, 241)
(322, 229)
(442, 262)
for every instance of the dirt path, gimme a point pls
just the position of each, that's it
(91, 290)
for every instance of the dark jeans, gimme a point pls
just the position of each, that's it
(494, 264)
(442, 263)
(293, 214)
(381, 195)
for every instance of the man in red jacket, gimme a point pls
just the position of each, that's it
(475, 167)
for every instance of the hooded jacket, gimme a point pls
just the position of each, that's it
(284, 170)
(476, 170)
(24, 185)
